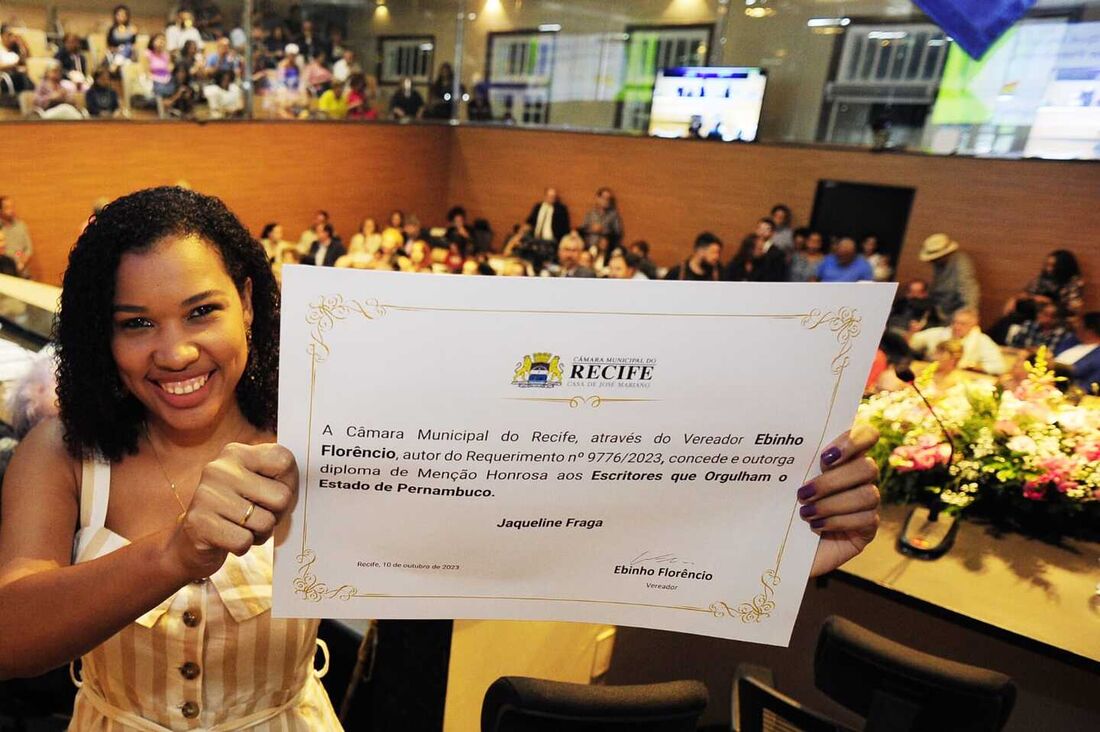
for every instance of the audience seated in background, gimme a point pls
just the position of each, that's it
(880, 263)
(345, 66)
(1045, 329)
(1059, 283)
(311, 43)
(979, 352)
(602, 227)
(569, 264)
(13, 63)
(286, 254)
(782, 234)
(368, 238)
(120, 40)
(912, 309)
(1083, 357)
(479, 108)
(406, 103)
(180, 100)
(947, 355)
(457, 231)
(315, 76)
(758, 259)
(549, 218)
(224, 97)
(844, 264)
(305, 241)
(327, 247)
(289, 93)
(7, 264)
(440, 104)
(74, 67)
(806, 260)
(272, 240)
(704, 263)
(954, 284)
(158, 65)
(101, 100)
(333, 103)
(18, 237)
(182, 31)
(53, 99)
(624, 266)
(646, 266)
(224, 58)
(360, 98)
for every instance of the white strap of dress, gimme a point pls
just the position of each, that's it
(95, 493)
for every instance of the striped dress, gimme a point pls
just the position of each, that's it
(210, 657)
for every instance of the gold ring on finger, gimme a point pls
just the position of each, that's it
(247, 514)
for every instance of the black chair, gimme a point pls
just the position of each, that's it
(763, 709)
(900, 689)
(893, 687)
(518, 704)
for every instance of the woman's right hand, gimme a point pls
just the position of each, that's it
(220, 520)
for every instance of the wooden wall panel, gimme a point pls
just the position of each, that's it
(264, 172)
(1007, 214)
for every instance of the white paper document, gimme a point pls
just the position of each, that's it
(622, 452)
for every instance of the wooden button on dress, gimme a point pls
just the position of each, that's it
(190, 619)
(189, 670)
(190, 709)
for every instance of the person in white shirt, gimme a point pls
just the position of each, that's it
(345, 66)
(224, 96)
(183, 31)
(979, 352)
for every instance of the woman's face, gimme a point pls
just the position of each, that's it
(122, 16)
(370, 227)
(179, 334)
(1049, 266)
(160, 43)
(277, 233)
(814, 243)
(397, 220)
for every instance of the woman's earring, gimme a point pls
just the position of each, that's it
(248, 337)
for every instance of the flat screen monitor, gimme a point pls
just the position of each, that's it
(707, 102)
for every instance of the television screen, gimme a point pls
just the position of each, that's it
(707, 102)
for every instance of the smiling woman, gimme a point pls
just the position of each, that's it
(164, 459)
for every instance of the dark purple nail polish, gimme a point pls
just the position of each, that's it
(808, 510)
(831, 455)
(817, 523)
(806, 492)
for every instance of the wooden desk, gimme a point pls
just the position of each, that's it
(1039, 592)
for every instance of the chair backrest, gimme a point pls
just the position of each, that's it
(901, 689)
(519, 704)
(763, 709)
(36, 41)
(36, 68)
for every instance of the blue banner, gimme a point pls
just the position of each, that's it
(975, 24)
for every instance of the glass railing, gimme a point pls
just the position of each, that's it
(873, 73)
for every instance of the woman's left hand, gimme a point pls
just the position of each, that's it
(841, 504)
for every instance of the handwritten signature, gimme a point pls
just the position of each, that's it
(650, 557)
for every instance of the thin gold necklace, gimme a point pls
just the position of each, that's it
(172, 483)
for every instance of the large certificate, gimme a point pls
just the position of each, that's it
(605, 451)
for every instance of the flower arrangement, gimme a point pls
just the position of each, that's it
(1026, 459)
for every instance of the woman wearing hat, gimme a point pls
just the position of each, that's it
(954, 284)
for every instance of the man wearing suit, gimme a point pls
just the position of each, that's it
(1084, 356)
(326, 249)
(549, 219)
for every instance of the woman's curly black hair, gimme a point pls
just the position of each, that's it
(98, 413)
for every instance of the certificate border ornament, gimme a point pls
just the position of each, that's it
(330, 310)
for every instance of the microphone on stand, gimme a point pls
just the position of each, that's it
(925, 534)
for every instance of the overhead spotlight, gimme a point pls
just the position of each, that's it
(758, 9)
(549, 27)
